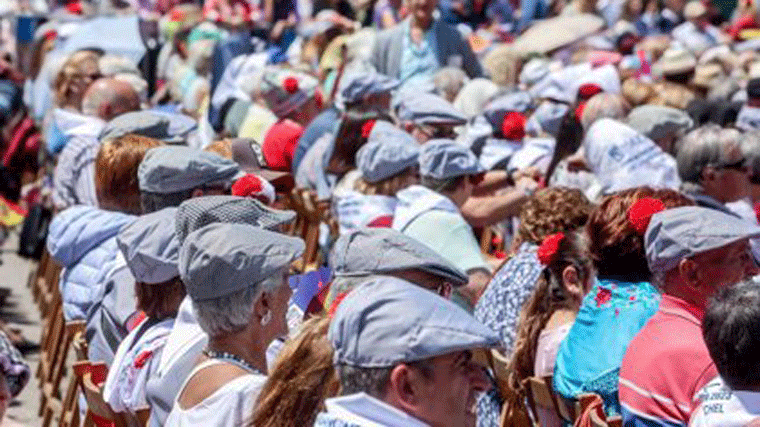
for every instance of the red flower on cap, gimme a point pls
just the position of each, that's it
(290, 84)
(74, 8)
(640, 213)
(367, 128)
(547, 252)
(50, 35)
(586, 91)
(251, 186)
(513, 126)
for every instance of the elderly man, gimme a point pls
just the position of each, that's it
(170, 175)
(73, 178)
(237, 278)
(366, 252)
(186, 340)
(426, 116)
(431, 214)
(712, 167)
(405, 357)
(417, 47)
(692, 252)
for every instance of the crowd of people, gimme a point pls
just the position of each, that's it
(506, 190)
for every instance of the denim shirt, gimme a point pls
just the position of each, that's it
(418, 61)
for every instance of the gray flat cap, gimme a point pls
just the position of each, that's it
(198, 212)
(383, 250)
(170, 128)
(656, 121)
(356, 86)
(444, 158)
(429, 109)
(150, 246)
(387, 321)
(169, 169)
(388, 153)
(678, 233)
(220, 259)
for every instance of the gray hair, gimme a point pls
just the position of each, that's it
(373, 381)
(604, 105)
(702, 147)
(448, 82)
(751, 150)
(152, 202)
(231, 313)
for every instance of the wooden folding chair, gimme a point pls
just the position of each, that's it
(311, 214)
(99, 413)
(541, 395)
(52, 404)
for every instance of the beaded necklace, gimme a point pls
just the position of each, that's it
(229, 357)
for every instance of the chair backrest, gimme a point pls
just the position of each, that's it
(101, 414)
(540, 394)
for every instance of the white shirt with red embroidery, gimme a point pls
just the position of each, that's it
(135, 361)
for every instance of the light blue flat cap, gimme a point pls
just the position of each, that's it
(150, 246)
(170, 168)
(199, 212)
(444, 158)
(356, 86)
(220, 259)
(167, 127)
(388, 152)
(368, 251)
(387, 321)
(429, 109)
(678, 233)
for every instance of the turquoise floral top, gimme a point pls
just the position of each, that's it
(589, 358)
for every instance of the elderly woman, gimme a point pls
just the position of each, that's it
(14, 374)
(236, 277)
(388, 164)
(621, 301)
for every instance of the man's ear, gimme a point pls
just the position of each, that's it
(404, 388)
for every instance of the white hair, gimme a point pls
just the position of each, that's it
(231, 313)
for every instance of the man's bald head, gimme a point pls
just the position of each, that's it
(107, 98)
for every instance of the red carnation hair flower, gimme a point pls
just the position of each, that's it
(640, 213)
(250, 185)
(290, 84)
(513, 126)
(586, 91)
(549, 248)
(367, 128)
(579, 111)
(74, 8)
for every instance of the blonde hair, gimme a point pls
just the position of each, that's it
(222, 147)
(386, 187)
(116, 167)
(672, 95)
(637, 92)
(302, 378)
(69, 71)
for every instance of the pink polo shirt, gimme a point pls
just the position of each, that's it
(665, 366)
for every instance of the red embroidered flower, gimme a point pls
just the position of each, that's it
(500, 255)
(290, 84)
(603, 296)
(142, 359)
(632, 298)
(367, 128)
(513, 126)
(640, 213)
(547, 252)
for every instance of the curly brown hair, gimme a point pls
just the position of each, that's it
(616, 248)
(550, 211)
(302, 378)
